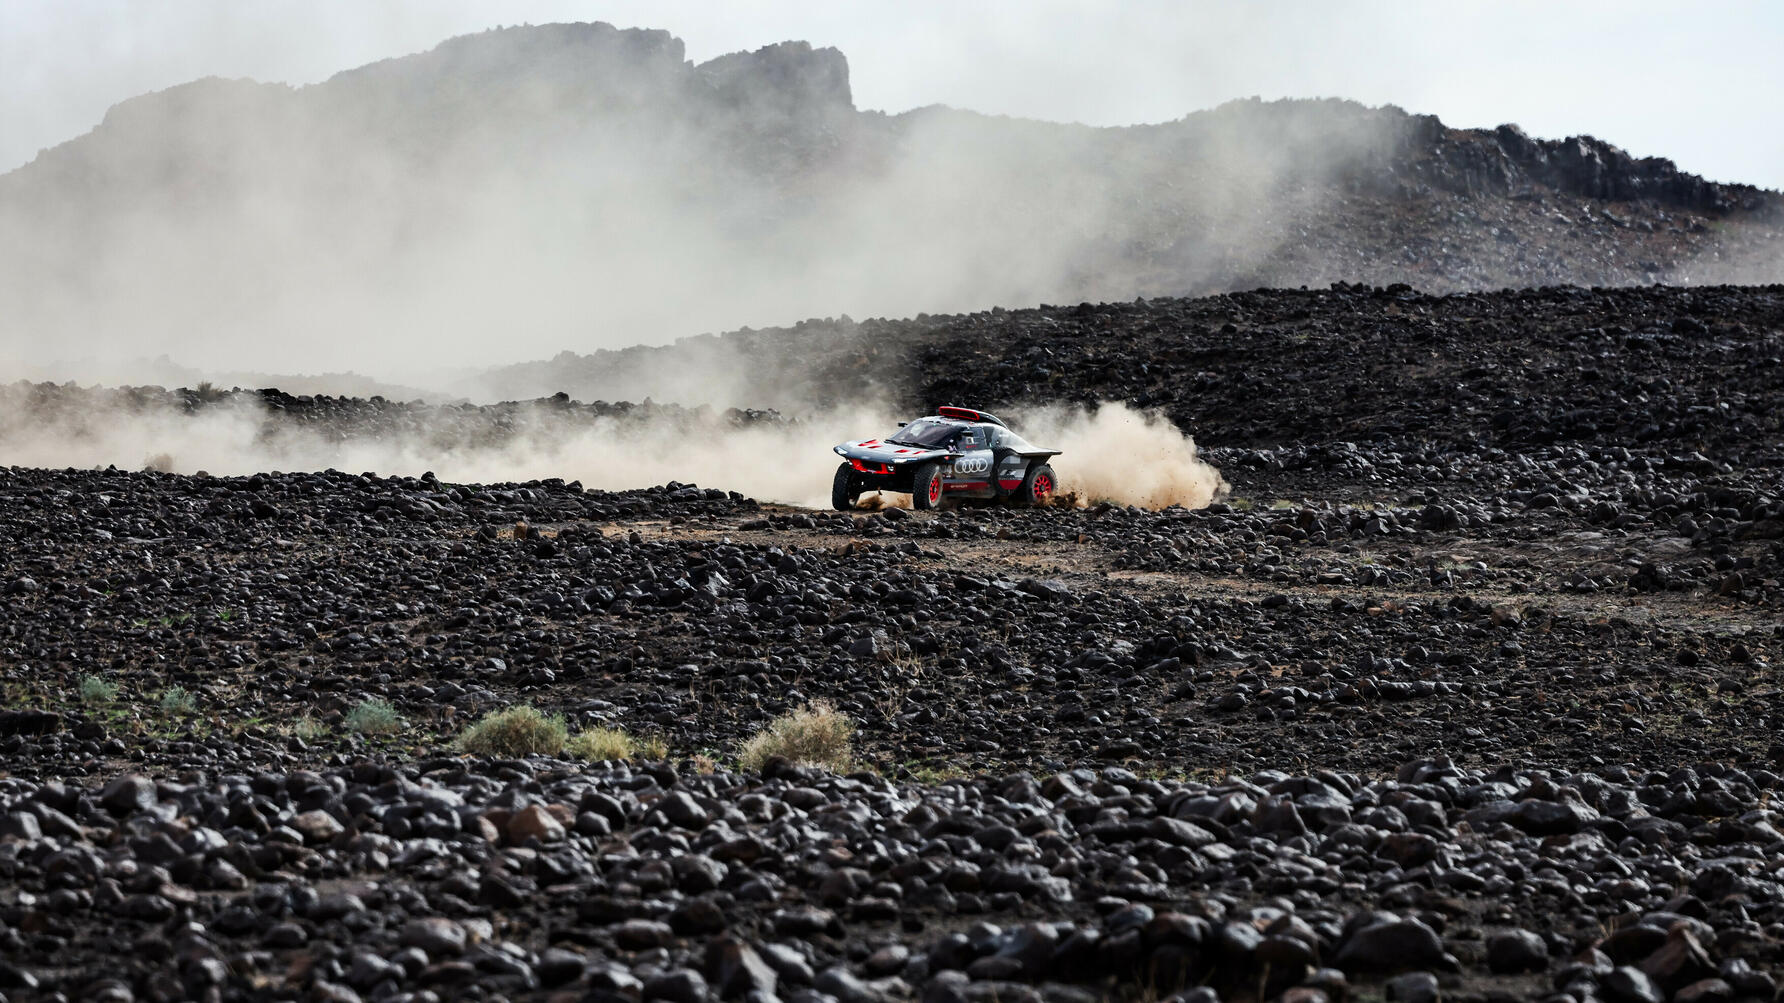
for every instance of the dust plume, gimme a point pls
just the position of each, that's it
(1111, 453)
(1752, 255)
(770, 459)
(1114, 453)
(513, 194)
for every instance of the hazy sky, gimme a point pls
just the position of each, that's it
(1702, 83)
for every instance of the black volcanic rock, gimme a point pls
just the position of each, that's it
(1452, 697)
(792, 79)
(1243, 913)
(1506, 161)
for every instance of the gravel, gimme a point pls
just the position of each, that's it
(1476, 712)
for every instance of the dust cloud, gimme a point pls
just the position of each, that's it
(526, 191)
(786, 461)
(1112, 453)
(1748, 256)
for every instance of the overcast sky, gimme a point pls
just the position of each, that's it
(1702, 83)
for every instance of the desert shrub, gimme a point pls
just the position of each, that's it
(597, 744)
(178, 700)
(373, 716)
(817, 735)
(96, 691)
(515, 731)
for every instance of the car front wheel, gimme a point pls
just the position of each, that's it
(926, 487)
(842, 489)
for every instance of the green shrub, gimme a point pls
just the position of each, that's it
(97, 692)
(817, 735)
(515, 731)
(178, 700)
(374, 716)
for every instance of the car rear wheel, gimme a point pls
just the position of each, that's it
(1038, 487)
(926, 487)
(842, 489)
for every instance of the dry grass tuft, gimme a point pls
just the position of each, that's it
(601, 744)
(515, 731)
(817, 735)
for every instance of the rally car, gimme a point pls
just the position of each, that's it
(957, 453)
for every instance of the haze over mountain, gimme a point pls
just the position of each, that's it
(526, 191)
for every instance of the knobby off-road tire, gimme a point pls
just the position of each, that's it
(926, 487)
(1037, 487)
(842, 489)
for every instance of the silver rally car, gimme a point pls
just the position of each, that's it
(956, 453)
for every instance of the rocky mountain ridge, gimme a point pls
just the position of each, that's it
(798, 82)
(527, 190)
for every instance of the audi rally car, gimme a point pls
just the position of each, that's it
(956, 453)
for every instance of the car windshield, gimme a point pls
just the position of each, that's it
(1013, 441)
(925, 433)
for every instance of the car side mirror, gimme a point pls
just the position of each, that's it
(903, 424)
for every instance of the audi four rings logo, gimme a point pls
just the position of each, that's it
(972, 465)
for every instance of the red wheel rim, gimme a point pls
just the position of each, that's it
(935, 490)
(1043, 486)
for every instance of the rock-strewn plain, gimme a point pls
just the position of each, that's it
(1467, 690)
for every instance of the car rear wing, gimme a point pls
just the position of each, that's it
(970, 414)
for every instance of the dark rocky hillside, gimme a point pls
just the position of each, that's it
(1276, 367)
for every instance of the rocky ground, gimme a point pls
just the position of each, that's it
(1467, 690)
(1513, 368)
